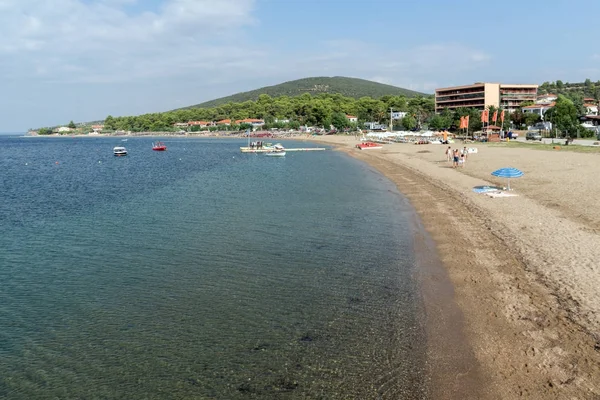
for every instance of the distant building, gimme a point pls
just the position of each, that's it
(180, 125)
(539, 109)
(513, 95)
(64, 129)
(256, 123)
(546, 98)
(396, 115)
(201, 124)
(352, 118)
(226, 122)
(482, 95)
(591, 109)
(375, 126)
(97, 128)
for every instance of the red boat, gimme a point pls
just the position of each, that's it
(368, 146)
(159, 146)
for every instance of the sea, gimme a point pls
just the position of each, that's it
(204, 273)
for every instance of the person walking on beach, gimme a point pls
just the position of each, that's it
(449, 154)
(455, 158)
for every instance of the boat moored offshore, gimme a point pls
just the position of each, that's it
(120, 151)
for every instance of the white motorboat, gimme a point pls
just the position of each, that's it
(120, 151)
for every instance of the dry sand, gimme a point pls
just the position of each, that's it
(525, 270)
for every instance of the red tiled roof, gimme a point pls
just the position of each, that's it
(350, 116)
(250, 121)
(224, 121)
(590, 105)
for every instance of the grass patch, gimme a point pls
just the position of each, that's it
(548, 147)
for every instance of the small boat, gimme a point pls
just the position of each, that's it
(277, 153)
(120, 151)
(368, 146)
(159, 146)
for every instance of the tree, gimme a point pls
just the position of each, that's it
(339, 121)
(45, 131)
(564, 117)
(109, 123)
(72, 125)
(532, 118)
(409, 122)
(437, 122)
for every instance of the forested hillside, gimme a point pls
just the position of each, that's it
(572, 90)
(348, 87)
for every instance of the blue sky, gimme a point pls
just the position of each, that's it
(82, 60)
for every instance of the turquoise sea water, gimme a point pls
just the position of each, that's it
(203, 273)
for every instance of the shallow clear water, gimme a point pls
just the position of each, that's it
(202, 272)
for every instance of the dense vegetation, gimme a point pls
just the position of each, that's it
(323, 110)
(348, 87)
(329, 110)
(573, 91)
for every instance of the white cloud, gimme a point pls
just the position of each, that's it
(102, 41)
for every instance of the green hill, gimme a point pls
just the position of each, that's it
(350, 87)
(572, 90)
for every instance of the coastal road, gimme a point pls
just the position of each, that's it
(581, 142)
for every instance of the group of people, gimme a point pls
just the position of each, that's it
(457, 157)
(256, 145)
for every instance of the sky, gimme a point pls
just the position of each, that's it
(82, 60)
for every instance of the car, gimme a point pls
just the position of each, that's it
(533, 136)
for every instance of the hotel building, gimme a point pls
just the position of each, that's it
(481, 95)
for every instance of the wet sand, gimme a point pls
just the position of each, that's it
(525, 270)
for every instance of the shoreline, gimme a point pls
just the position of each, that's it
(531, 336)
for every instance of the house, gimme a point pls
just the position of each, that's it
(253, 121)
(546, 98)
(591, 109)
(201, 124)
(64, 129)
(225, 122)
(282, 121)
(180, 125)
(97, 128)
(396, 115)
(539, 109)
(374, 126)
(352, 118)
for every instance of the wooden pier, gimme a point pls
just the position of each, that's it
(253, 150)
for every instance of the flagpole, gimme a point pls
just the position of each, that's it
(467, 124)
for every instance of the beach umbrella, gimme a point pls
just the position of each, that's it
(508, 173)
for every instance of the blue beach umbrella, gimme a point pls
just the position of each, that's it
(508, 173)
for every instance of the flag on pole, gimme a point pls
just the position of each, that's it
(495, 116)
(485, 116)
(462, 123)
(466, 117)
(502, 116)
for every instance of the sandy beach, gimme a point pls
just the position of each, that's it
(525, 270)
